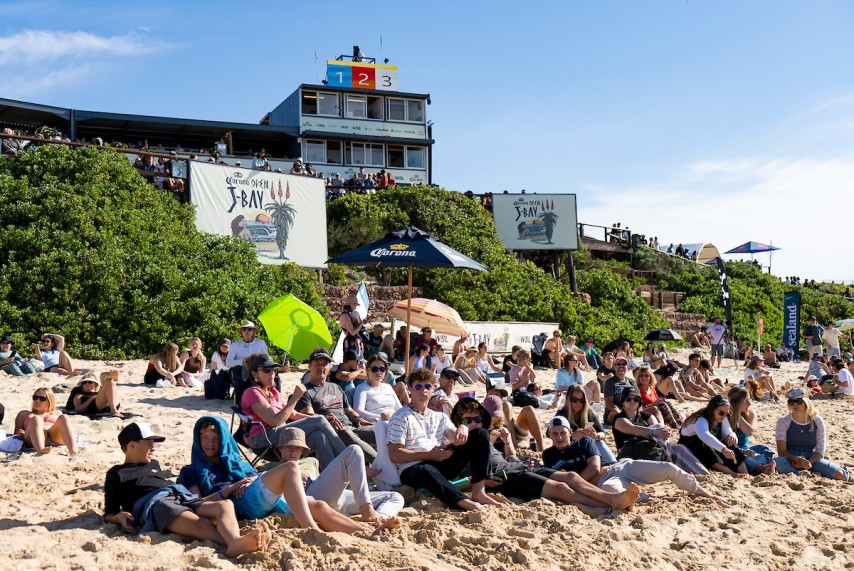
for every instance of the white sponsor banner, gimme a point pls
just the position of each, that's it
(499, 336)
(536, 221)
(368, 127)
(282, 216)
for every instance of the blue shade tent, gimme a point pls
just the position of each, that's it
(407, 248)
(752, 248)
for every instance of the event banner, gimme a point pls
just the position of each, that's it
(725, 295)
(499, 336)
(536, 221)
(282, 216)
(792, 319)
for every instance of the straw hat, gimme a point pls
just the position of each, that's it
(248, 324)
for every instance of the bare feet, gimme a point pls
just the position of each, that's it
(392, 522)
(767, 468)
(626, 500)
(369, 513)
(45, 450)
(485, 499)
(256, 540)
(468, 505)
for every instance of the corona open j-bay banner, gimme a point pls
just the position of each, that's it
(792, 320)
(282, 216)
(536, 221)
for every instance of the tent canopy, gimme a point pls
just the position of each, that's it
(706, 253)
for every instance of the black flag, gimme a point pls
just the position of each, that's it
(725, 295)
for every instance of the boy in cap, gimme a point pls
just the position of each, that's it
(139, 498)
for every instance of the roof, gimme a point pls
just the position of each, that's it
(32, 115)
(365, 91)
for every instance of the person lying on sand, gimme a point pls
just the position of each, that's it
(139, 498)
(217, 470)
(515, 479)
(415, 442)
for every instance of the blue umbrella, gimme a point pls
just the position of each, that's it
(752, 248)
(407, 249)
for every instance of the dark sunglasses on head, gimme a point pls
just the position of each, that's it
(472, 420)
(424, 386)
(631, 399)
(376, 369)
(39, 398)
(576, 400)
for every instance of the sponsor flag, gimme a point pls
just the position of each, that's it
(725, 295)
(791, 320)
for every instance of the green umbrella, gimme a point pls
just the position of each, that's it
(295, 326)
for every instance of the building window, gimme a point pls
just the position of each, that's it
(365, 154)
(333, 152)
(357, 106)
(405, 157)
(315, 151)
(320, 103)
(408, 110)
(375, 108)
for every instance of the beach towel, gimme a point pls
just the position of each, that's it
(230, 458)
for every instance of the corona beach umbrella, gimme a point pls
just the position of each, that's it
(430, 313)
(409, 248)
(293, 325)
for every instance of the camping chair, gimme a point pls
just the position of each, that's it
(244, 426)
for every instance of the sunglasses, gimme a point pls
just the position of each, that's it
(269, 369)
(631, 399)
(793, 402)
(45, 340)
(376, 369)
(39, 398)
(472, 420)
(248, 329)
(88, 383)
(720, 413)
(576, 400)
(422, 386)
(454, 378)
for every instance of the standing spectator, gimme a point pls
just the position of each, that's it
(831, 337)
(260, 162)
(361, 175)
(813, 334)
(716, 333)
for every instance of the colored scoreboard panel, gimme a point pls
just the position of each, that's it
(357, 75)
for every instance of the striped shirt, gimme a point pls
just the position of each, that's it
(418, 431)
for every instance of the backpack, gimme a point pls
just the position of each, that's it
(643, 448)
(524, 398)
(218, 386)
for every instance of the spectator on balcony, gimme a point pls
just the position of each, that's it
(260, 161)
(297, 168)
(337, 182)
(309, 170)
(362, 175)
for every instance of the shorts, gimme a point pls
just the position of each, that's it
(718, 350)
(258, 501)
(166, 509)
(525, 486)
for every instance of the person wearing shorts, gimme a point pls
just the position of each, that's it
(716, 333)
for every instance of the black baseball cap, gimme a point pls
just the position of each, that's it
(262, 362)
(138, 431)
(320, 354)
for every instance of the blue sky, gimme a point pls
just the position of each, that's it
(694, 121)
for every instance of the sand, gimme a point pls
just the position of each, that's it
(51, 506)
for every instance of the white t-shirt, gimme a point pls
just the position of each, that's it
(418, 431)
(240, 350)
(370, 401)
(441, 365)
(845, 376)
(216, 362)
(753, 374)
(831, 337)
(716, 334)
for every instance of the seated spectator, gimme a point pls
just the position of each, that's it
(164, 368)
(460, 346)
(444, 398)
(349, 374)
(709, 437)
(91, 397)
(336, 181)
(248, 344)
(843, 381)
(421, 358)
(416, 436)
(466, 366)
(634, 422)
(613, 389)
(297, 168)
(486, 363)
(515, 479)
(374, 399)
(11, 361)
(570, 375)
(524, 426)
(168, 507)
(651, 357)
(522, 373)
(511, 359)
(584, 422)
(698, 339)
(652, 400)
(328, 400)
(9, 146)
(44, 426)
(761, 376)
(553, 349)
(344, 483)
(426, 337)
(193, 362)
(743, 420)
(801, 440)
(374, 343)
(769, 356)
(784, 353)
(580, 456)
(399, 344)
(263, 402)
(309, 171)
(52, 353)
(220, 356)
(441, 360)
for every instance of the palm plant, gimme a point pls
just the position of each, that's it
(283, 215)
(549, 220)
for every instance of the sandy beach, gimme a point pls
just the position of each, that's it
(51, 507)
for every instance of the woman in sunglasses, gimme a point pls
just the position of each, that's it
(44, 425)
(584, 422)
(91, 397)
(709, 437)
(51, 351)
(801, 440)
(375, 399)
(634, 421)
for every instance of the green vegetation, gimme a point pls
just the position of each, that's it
(90, 250)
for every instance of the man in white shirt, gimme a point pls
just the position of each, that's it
(831, 337)
(716, 334)
(248, 345)
(843, 380)
(416, 437)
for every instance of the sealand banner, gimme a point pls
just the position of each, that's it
(283, 216)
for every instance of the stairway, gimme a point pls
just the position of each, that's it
(685, 323)
(381, 297)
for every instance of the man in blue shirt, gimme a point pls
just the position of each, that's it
(813, 334)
